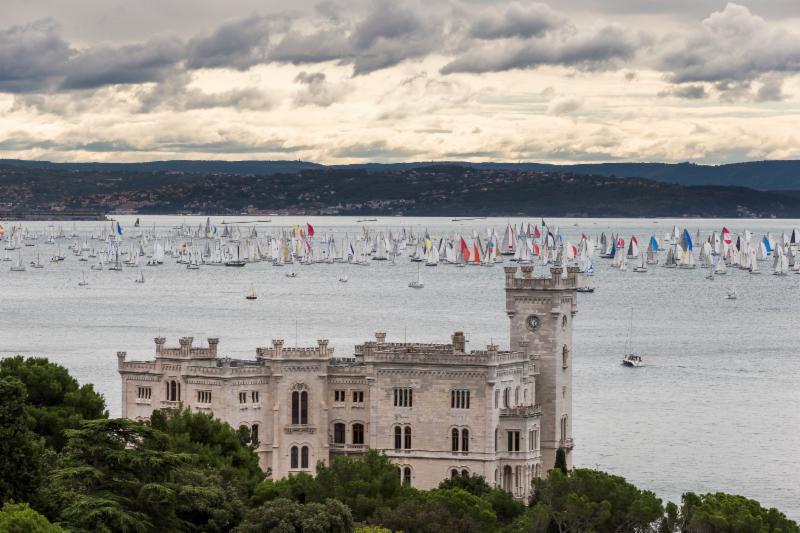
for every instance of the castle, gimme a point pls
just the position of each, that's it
(436, 410)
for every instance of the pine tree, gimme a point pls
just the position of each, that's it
(20, 448)
(561, 460)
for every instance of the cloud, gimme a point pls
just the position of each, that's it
(131, 64)
(176, 94)
(516, 20)
(376, 150)
(689, 92)
(598, 50)
(317, 91)
(771, 90)
(32, 57)
(732, 45)
(564, 106)
(237, 44)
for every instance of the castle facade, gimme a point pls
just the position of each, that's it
(437, 410)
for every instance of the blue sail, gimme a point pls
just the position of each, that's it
(767, 245)
(687, 240)
(653, 243)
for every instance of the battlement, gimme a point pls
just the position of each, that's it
(278, 351)
(186, 350)
(555, 281)
(418, 352)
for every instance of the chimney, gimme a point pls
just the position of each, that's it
(459, 342)
(213, 343)
(380, 337)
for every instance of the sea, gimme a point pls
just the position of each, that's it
(716, 407)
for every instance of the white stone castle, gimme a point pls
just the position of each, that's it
(435, 409)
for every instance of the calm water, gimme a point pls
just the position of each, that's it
(715, 407)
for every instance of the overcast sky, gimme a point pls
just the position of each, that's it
(353, 81)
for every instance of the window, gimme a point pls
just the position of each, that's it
(358, 396)
(454, 439)
(398, 438)
(453, 473)
(254, 435)
(358, 433)
(299, 407)
(338, 396)
(506, 397)
(403, 397)
(459, 399)
(144, 393)
(564, 322)
(513, 441)
(304, 457)
(243, 396)
(407, 439)
(338, 433)
(254, 396)
(533, 437)
(563, 428)
(495, 439)
(173, 391)
(525, 395)
(294, 462)
(516, 396)
(496, 398)
(464, 440)
(465, 473)
(564, 356)
(204, 396)
(407, 475)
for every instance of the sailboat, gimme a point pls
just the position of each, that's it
(251, 294)
(238, 262)
(19, 266)
(83, 281)
(731, 294)
(417, 284)
(630, 358)
(642, 267)
(38, 263)
(343, 278)
(140, 279)
(291, 274)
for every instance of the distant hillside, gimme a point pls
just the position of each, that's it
(760, 175)
(441, 190)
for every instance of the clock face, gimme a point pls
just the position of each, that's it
(533, 322)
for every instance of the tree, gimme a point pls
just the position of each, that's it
(439, 510)
(56, 401)
(300, 487)
(503, 503)
(119, 475)
(20, 448)
(287, 516)
(561, 460)
(20, 518)
(728, 513)
(589, 500)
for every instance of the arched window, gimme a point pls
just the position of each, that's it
(454, 439)
(525, 395)
(564, 356)
(358, 433)
(294, 462)
(407, 443)
(304, 407)
(516, 396)
(564, 322)
(338, 433)
(563, 428)
(398, 438)
(495, 439)
(304, 457)
(464, 473)
(496, 398)
(254, 435)
(464, 440)
(173, 391)
(453, 473)
(506, 396)
(295, 407)
(407, 475)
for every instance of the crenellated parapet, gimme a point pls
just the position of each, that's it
(186, 349)
(278, 351)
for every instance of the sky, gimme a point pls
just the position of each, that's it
(403, 80)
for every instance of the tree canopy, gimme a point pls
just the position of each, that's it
(727, 513)
(20, 449)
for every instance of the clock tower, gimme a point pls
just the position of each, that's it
(540, 312)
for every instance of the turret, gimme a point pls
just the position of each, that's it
(459, 342)
(160, 342)
(213, 344)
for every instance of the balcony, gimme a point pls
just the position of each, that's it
(339, 447)
(521, 411)
(567, 444)
(167, 404)
(300, 428)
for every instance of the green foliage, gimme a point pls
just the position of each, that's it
(300, 487)
(503, 503)
(287, 516)
(20, 448)
(372, 529)
(727, 513)
(215, 444)
(589, 500)
(118, 475)
(561, 460)
(20, 518)
(440, 510)
(56, 401)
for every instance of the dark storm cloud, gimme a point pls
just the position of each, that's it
(238, 44)
(31, 56)
(131, 64)
(516, 20)
(690, 92)
(600, 50)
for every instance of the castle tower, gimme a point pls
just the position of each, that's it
(540, 312)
